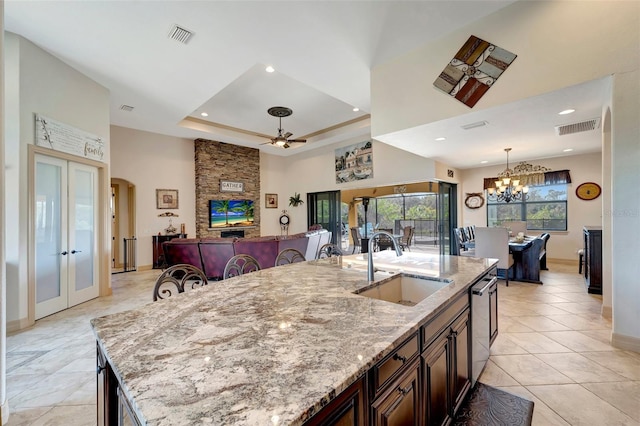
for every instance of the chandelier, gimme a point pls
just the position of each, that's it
(508, 188)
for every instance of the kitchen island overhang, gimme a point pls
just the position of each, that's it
(271, 347)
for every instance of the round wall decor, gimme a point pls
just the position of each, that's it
(588, 191)
(474, 200)
(284, 219)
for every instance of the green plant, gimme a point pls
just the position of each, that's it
(295, 200)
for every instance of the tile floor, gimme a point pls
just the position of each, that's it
(552, 348)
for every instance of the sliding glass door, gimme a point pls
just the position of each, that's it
(323, 208)
(447, 215)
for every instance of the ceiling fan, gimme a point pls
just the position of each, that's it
(282, 140)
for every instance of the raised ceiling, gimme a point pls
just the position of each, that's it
(322, 53)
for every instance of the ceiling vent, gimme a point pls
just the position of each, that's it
(180, 34)
(582, 126)
(474, 125)
(127, 108)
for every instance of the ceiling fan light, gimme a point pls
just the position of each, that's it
(281, 142)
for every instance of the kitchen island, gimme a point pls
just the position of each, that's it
(276, 346)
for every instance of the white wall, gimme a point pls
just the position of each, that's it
(558, 43)
(37, 82)
(314, 171)
(152, 161)
(4, 406)
(561, 245)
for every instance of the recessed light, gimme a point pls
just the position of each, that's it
(566, 111)
(204, 114)
(269, 69)
(567, 150)
(356, 109)
(484, 162)
(441, 139)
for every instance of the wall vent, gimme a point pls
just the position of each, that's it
(474, 125)
(127, 108)
(582, 126)
(180, 34)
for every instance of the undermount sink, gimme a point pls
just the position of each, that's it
(403, 289)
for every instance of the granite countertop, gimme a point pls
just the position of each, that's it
(270, 347)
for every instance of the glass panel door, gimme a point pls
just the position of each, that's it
(50, 235)
(83, 210)
(324, 208)
(447, 215)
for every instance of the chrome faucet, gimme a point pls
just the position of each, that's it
(370, 268)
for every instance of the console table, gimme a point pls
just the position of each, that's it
(593, 258)
(158, 253)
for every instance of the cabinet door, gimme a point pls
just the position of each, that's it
(400, 405)
(435, 379)
(347, 409)
(493, 312)
(460, 364)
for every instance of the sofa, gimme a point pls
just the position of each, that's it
(212, 254)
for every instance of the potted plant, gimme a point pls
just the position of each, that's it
(295, 200)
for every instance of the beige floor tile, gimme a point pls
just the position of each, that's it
(578, 342)
(603, 336)
(505, 345)
(542, 414)
(79, 415)
(493, 375)
(578, 406)
(537, 343)
(577, 322)
(18, 383)
(512, 325)
(625, 396)
(541, 323)
(54, 389)
(85, 395)
(576, 308)
(25, 416)
(529, 370)
(621, 362)
(579, 368)
(547, 309)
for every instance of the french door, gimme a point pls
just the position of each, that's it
(323, 208)
(66, 218)
(447, 215)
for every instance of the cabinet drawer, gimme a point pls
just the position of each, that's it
(388, 367)
(431, 330)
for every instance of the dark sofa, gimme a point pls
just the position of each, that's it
(211, 254)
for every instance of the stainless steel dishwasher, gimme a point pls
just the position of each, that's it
(480, 325)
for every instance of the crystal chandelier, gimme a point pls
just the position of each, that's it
(507, 187)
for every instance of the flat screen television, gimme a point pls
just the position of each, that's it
(230, 213)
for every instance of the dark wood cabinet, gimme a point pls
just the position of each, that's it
(460, 363)
(399, 405)
(593, 258)
(347, 409)
(158, 254)
(435, 379)
(113, 407)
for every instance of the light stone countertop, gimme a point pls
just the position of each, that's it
(270, 347)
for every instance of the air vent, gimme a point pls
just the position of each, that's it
(127, 108)
(180, 34)
(474, 125)
(583, 126)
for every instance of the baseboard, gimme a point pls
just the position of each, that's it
(145, 267)
(606, 312)
(4, 412)
(627, 343)
(17, 325)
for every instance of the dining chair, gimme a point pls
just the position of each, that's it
(178, 278)
(407, 236)
(288, 256)
(329, 250)
(494, 243)
(240, 264)
(383, 242)
(357, 239)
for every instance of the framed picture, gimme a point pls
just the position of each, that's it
(271, 201)
(166, 198)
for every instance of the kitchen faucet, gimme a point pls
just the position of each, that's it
(370, 267)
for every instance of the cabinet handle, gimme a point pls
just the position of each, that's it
(404, 391)
(76, 251)
(99, 369)
(64, 253)
(399, 357)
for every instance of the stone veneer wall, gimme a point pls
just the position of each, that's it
(216, 161)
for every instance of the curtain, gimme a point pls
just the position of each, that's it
(535, 179)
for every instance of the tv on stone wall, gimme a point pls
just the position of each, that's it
(230, 213)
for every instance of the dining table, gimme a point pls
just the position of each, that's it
(526, 263)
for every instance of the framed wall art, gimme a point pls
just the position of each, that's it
(166, 198)
(271, 201)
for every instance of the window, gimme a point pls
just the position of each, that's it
(544, 209)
